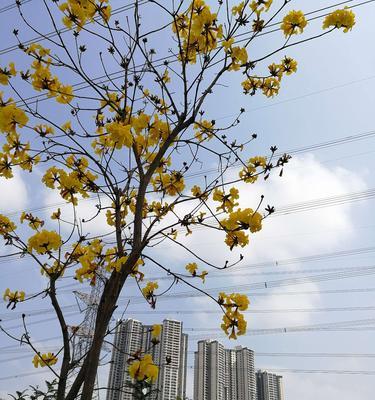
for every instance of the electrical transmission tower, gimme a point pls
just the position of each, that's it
(84, 333)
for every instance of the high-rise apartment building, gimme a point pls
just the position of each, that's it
(223, 374)
(269, 386)
(170, 355)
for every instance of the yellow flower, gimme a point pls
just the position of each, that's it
(204, 130)
(156, 331)
(340, 19)
(56, 214)
(6, 225)
(258, 6)
(227, 200)
(270, 87)
(192, 268)
(67, 126)
(44, 130)
(13, 297)
(80, 12)
(144, 369)
(237, 10)
(289, 65)
(44, 360)
(293, 23)
(10, 117)
(227, 44)
(239, 58)
(251, 85)
(249, 174)
(44, 241)
(5, 166)
(233, 319)
(34, 222)
(172, 184)
(148, 290)
(198, 31)
(165, 77)
(237, 222)
(203, 276)
(120, 134)
(64, 94)
(6, 73)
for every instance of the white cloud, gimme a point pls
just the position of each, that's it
(14, 195)
(86, 213)
(282, 237)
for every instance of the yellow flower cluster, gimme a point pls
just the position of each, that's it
(56, 269)
(42, 78)
(239, 221)
(11, 116)
(138, 275)
(233, 319)
(127, 203)
(192, 268)
(340, 19)
(148, 290)
(13, 297)
(204, 130)
(6, 225)
(159, 209)
(7, 73)
(34, 222)
(114, 262)
(237, 54)
(44, 241)
(259, 6)
(293, 23)
(198, 31)
(119, 135)
(144, 369)
(44, 360)
(156, 331)
(249, 173)
(43, 130)
(171, 184)
(238, 9)
(89, 258)
(141, 130)
(78, 182)
(270, 85)
(228, 201)
(79, 12)
(14, 151)
(196, 191)
(93, 256)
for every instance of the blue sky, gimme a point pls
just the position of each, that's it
(331, 97)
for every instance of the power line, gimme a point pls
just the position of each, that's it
(113, 76)
(53, 34)
(119, 10)
(321, 371)
(254, 286)
(284, 370)
(309, 205)
(14, 5)
(338, 325)
(192, 312)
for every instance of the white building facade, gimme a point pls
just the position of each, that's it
(170, 355)
(269, 386)
(223, 374)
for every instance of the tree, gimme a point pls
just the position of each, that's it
(129, 139)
